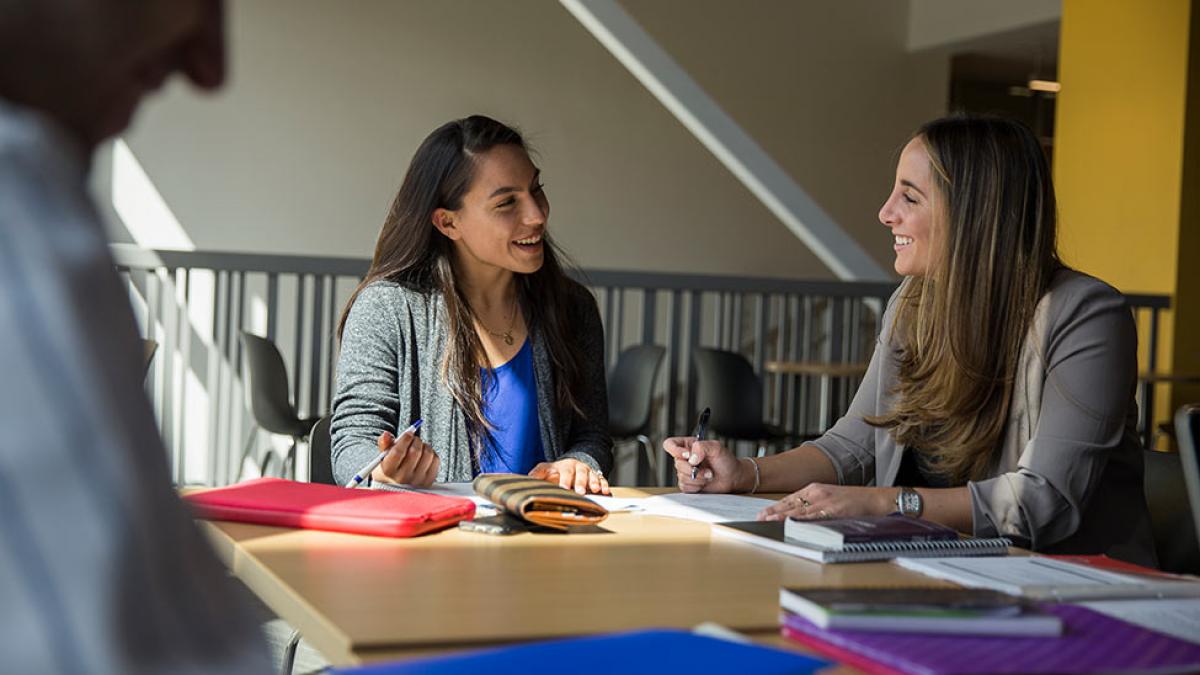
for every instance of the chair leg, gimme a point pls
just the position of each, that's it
(289, 464)
(265, 463)
(246, 447)
(289, 654)
(651, 458)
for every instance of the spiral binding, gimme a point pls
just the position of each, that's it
(922, 548)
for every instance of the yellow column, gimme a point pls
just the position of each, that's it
(1127, 164)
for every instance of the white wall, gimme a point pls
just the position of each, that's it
(304, 149)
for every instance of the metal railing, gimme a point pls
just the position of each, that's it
(194, 304)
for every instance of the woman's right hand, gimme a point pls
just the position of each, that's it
(409, 460)
(717, 469)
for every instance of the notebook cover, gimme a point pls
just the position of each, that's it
(315, 506)
(915, 598)
(866, 529)
(649, 651)
(1091, 642)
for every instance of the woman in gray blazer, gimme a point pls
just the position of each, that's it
(467, 321)
(1000, 397)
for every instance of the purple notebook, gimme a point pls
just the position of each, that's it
(1091, 643)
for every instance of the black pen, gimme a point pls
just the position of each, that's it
(701, 427)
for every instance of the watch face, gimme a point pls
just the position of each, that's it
(910, 502)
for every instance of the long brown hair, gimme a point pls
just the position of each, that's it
(959, 329)
(412, 253)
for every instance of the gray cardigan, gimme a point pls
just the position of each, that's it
(1069, 477)
(389, 373)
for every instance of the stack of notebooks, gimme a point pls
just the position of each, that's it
(1011, 618)
(1090, 643)
(861, 539)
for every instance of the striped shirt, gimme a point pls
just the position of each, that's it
(101, 568)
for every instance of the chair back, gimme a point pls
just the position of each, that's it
(1187, 431)
(1175, 534)
(267, 388)
(731, 389)
(320, 459)
(631, 390)
(148, 349)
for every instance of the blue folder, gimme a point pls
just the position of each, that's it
(650, 651)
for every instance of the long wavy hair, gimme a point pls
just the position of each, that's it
(959, 329)
(411, 252)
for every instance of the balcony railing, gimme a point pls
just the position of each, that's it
(194, 304)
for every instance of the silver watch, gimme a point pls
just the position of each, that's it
(909, 502)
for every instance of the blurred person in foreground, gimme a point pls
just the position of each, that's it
(101, 568)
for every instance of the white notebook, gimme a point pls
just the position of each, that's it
(1042, 578)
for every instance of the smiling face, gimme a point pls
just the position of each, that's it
(909, 211)
(502, 220)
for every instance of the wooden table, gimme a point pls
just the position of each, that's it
(358, 599)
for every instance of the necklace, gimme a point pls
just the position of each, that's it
(507, 335)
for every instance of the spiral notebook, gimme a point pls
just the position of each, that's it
(770, 534)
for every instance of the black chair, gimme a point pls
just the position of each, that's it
(320, 459)
(733, 392)
(1175, 534)
(269, 402)
(1187, 432)
(630, 394)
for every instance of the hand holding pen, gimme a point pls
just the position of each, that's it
(701, 429)
(700, 465)
(404, 459)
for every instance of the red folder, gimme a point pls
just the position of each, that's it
(314, 506)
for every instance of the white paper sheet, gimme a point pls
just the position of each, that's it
(702, 507)
(1046, 578)
(1178, 617)
(619, 504)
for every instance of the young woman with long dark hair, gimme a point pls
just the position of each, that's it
(1000, 397)
(467, 320)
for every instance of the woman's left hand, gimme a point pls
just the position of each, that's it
(816, 501)
(572, 474)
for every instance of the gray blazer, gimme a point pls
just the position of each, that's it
(389, 373)
(1069, 478)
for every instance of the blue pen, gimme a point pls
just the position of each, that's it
(701, 427)
(366, 470)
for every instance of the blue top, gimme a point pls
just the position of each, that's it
(511, 407)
